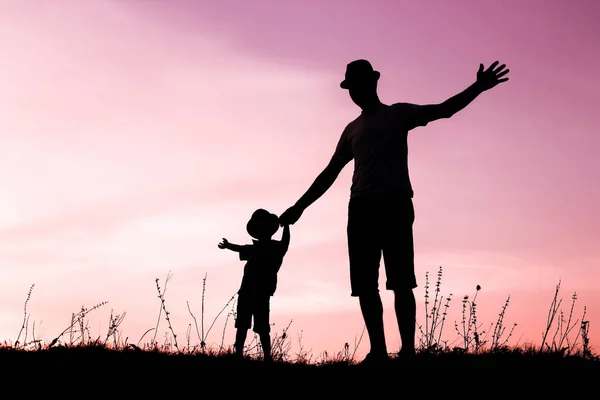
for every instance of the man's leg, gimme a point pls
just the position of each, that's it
(364, 250)
(372, 312)
(406, 310)
(398, 256)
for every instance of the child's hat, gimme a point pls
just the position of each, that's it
(262, 224)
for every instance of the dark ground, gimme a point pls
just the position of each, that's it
(87, 357)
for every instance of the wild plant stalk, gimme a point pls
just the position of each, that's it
(253, 346)
(499, 329)
(142, 337)
(464, 335)
(426, 308)
(342, 356)
(435, 310)
(561, 341)
(558, 330)
(568, 327)
(113, 327)
(82, 328)
(444, 314)
(25, 317)
(187, 337)
(35, 341)
(357, 342)
(469, 333)
(554, 307)
(473, 313)
(434, 324)
(161, 296)
(26, 331)
(217, 317)
(196, 325)
(346, 354)
(203, 343)
(302, 356)
(583, 329)
(203, 336)
(71, 338)
(160, 308)
(280, 346)
(167, 345)
(75, 318)
(233, 314)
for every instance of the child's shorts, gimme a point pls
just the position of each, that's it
(251, 307)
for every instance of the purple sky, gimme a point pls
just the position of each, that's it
(125, 129)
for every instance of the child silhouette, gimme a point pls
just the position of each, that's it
(263, 260)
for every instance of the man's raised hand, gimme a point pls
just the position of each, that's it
(490, 77)
(224, 244)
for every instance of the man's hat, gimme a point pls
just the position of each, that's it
(359, 71)
(262, 224)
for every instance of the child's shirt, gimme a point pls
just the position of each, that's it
(263, 261)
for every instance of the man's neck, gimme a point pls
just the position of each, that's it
(371, 106)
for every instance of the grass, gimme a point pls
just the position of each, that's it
(564, 343)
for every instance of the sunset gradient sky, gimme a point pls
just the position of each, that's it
(135, 134)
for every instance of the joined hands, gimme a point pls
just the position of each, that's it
(290, 216)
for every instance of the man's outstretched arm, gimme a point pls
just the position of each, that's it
(320, 185)
(455, 103)
(486, 79)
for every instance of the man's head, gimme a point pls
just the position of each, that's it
(361, 82)
(262, 224)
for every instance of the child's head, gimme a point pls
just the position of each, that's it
(262, 224)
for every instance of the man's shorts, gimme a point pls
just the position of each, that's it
(381, 224)
(257, 307)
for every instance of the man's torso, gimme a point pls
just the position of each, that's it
(379, 144)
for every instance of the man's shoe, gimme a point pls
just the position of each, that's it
(375, 360)
(406, 357)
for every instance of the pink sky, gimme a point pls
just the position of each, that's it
(125, 130)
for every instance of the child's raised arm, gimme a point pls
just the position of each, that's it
(285, 238)
(230, 246)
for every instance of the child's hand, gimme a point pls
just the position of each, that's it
(224, 244)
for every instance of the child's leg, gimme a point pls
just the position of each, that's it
(240, 340)
(262, 324)
(242, 323)
(265, 342)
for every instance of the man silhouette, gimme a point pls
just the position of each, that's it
(380, 208)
